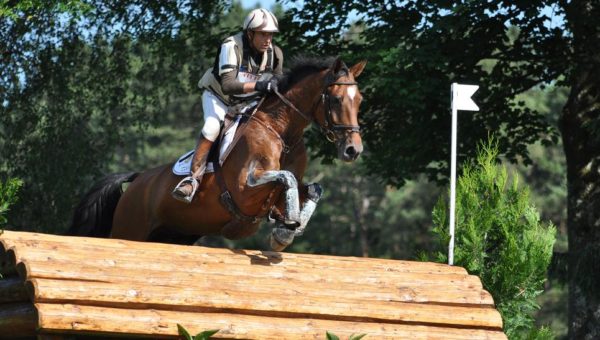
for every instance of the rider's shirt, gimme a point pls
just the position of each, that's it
(236, 64)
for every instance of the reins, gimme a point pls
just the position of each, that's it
(330, 129)
(291, 105)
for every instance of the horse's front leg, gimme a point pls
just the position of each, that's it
(283, 235)
(292, 206)
(312, 195)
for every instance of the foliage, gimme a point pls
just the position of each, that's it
(499, 237)
(331, 336)
(542, 333)
(75, 84)
(13, 10)
(415, 51)
(205, 335)
(8, 196)
(547, 179)
(358, 216)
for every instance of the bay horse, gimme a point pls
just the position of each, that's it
(262, 176)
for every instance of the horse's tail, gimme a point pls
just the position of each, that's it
(94, 214)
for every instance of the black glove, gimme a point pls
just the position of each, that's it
(267, 86)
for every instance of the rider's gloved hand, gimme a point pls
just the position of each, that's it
(266, 86)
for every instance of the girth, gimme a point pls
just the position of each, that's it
(227, 201)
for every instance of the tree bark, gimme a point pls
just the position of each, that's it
(581, 137)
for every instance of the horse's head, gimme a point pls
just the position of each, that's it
(339, 115)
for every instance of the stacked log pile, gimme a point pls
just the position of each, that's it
(58, 285)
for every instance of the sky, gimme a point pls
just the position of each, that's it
(263, 3)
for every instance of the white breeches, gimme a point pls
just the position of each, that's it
(214, 113)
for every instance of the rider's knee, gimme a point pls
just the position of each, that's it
(211, 129)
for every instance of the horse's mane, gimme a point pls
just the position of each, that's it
(302, 66)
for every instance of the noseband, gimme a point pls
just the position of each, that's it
(331, 130)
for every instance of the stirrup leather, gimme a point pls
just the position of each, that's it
(178, 195)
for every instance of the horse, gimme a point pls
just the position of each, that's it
(261, 177)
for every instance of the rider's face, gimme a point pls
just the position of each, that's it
(261, 40)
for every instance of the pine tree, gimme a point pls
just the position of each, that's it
(500, 238)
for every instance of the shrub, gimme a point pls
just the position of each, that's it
(499, 237)
(8, 196)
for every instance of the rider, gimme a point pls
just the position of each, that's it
(234, 78)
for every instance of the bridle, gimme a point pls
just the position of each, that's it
(331, 130)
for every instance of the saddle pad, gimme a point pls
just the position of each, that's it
(183, 165)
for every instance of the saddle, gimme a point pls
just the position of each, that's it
(233, 126)
(235, 123)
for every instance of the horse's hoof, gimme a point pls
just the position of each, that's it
(315, 191)
(280, 238)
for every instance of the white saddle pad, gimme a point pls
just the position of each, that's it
(183, 165)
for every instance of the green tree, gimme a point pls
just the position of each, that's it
(500, 238)
(417, 49)
(361, 217)
(547, 179)
(75, 84)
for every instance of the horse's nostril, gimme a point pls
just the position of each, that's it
(350, 151)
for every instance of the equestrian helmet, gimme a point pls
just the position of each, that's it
(261, 20)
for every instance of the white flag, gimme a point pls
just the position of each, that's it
(461, 100)
(461, 97)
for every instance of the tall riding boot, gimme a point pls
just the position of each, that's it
(185, 190)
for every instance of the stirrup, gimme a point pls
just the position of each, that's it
(178, 195)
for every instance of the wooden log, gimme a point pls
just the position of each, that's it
(79, 319)
(458, 291)
(7, 267)
(17, 320)
(307, 284)
(168, 261)
(182, 259)
(125, 248)
(273, 303)
(85, 279)
(12, 289)
(401, 286)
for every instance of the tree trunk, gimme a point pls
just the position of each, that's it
(580, 131)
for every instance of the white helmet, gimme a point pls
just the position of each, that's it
(261, 20)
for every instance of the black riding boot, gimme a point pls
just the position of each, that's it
(185, 190)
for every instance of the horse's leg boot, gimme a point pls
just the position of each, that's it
(185, 190)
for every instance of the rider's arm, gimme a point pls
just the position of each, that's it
(231, 85)
(278, 62)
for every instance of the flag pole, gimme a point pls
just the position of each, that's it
(452, 174)
(460, 99)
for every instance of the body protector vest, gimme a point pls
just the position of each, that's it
(234, 54)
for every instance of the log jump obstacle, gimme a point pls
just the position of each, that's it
(90, 288)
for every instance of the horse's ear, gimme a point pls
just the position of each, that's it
(357, 69)
(338, 64)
